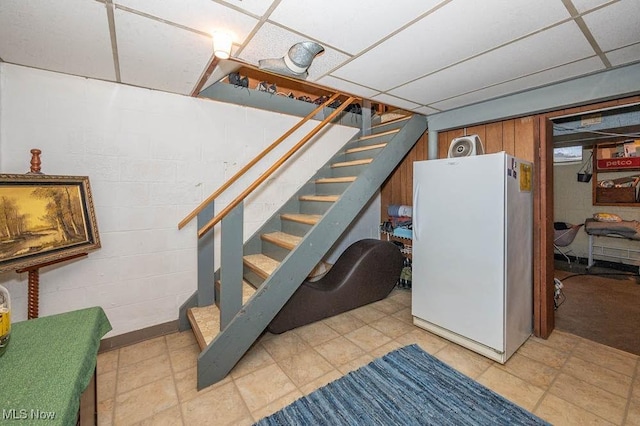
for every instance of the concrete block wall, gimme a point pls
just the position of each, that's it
(151, 158)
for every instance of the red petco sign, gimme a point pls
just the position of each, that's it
(619, 163)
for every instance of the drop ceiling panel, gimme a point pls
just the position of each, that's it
(450, 34)
(272, 41)
(624, 55)
(518, 59)
(585, 5)
(201, 15)
(255, 7)
(425, 110)
(396, 102)
(375, 20)
(347, 87)
(564, 72)
(159, 55)
(69, 36)
(611, 25)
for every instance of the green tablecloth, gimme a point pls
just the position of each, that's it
(48, 364)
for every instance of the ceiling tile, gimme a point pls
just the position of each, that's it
(375, 20)
(347, 87)
(396, 102)
(69, 36)
(255, 7)
(611, 25)
(450, 34)
(564, 72)
(272, 41)
(518, 59)
(585, 5)
(158, 55)
(201, 15)
(425, 110)
(625, 55)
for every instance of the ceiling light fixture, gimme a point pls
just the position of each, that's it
(222, 44)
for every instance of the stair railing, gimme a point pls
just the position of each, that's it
(230, 293)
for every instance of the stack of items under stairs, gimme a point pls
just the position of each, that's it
(398, 229)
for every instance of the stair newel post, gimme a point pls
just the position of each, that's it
(231, 252)
(206, 266)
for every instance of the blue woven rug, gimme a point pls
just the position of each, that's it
(405, 387)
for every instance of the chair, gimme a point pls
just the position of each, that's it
(563, 235)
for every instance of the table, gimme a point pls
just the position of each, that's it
(48, 364)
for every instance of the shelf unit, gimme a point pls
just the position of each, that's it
(406, 250)
(617, 170)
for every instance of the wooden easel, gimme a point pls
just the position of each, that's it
(34, 270)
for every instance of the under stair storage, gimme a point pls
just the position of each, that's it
(235, 302)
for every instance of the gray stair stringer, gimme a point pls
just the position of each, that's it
(221, 355)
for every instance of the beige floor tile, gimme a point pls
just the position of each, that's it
(547, 355)
(367, 314)
(354, 364)
(143, 350)
(339, 351)
(368, 338)
(560, 412)
(180, 340)
(611, 358)
(589, 397)
(344, 323)
(320, 382)
(106, 386)
(404, 315)
(428, 342)
(511, 387)
(262, 387)
(401, 296)
(256, 358)
(388, 306)
(392, 327)
(145, 401)
(222, 406)
(184, 357)
(601, 377)
(633, 413)
(105, 412)
(463, 360)
(530, 370)
(141, 373)
(559, 340)
(187, 384)
(107, 362)
(385, 349)
(170, 417)
(276, 405)
(316, 333)
(305, 367)
(285, 345)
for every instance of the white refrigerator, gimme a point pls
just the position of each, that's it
(472, 251)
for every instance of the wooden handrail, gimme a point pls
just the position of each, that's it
(206, 228)
(251, 163)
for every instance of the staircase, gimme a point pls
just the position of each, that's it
(278, 257)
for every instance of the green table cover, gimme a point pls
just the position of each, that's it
(48, 364)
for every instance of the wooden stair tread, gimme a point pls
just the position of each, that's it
(282, 239)
(324, 198)
(352, 163)
(261, 264)
(365, 148)
(205, 322)
(376, 135)
(394, 121)
(343, 179)
(307, 219)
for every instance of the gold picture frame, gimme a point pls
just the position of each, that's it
(45, 218)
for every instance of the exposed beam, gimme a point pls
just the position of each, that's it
(212, 66)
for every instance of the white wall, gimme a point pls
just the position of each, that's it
(573, 203)
(151, 158)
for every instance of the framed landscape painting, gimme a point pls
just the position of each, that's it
(44, 218)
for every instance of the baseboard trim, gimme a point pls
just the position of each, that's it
(137, 336)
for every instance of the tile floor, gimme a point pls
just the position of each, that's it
(566, 380)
